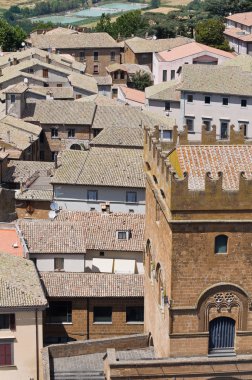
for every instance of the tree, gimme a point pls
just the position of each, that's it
(11, 37)
(210, 32)
(104, 24)
(141, 80)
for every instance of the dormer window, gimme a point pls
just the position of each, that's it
(123, 235)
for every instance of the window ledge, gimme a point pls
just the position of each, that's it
(59, 323)
(5, 367)
(134, 323)
(102, 323)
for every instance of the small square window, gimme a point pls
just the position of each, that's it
(207, 99)
(102, 314)
(96, 69)
(207, 124)
(112, 56)
(243, 103)
(134, 314)
(92, 195)
(225, 101)
(131, 196)
(59, 263)
(59, 312)
(13, 98)
(189, 98)
(82, 56)
(165, 135)
(71, 133)
(54, 133)
(122, 235)
(164, 75)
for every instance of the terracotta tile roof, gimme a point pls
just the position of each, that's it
(9, 241)
(189, 49)
(141, 45)
(231, 160)
(119, 137)
(105, 80)
(63, 112)
(16, 133)
(73, 41)
(77, 232)
(35, 195)
(244, 18)
(85, 82)
(19, 284)
(220, 79)
(102, 167)
(18, 171)
(238, 34)
(133, 94)
(17, 88)
(244, 61)
(56, 92)
(163, 91)
(92, 285)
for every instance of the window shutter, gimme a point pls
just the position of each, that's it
(12, 322)
(8, 360)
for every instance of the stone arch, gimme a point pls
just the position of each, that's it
(226, 300)
(75, 147)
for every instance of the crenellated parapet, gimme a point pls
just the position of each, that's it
(185, 191)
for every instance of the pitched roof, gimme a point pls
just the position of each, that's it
(19, 283)
(100, 100)
(189, 49)
(105, 80)
(16, 133)
(92, 284)
(141, 45)
(244, 61)
(56, 92)
(120, 137)
(63, 112)
(17, 88)
(238, 34)
(106, 116)
(101, 167)
(244, 18)
(72, 41)
(85, 82)
(133, 94)
(231, 160)
(220, 79)
(163, 91)
(77, 232)
(18, 171)
(10, 241)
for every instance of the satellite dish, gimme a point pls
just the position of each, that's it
(52, 215)
(54, 206)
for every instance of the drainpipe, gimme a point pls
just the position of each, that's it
(87, 318)
(37, 344)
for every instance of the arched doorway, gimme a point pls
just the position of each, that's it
(221, 335)
(75, 147)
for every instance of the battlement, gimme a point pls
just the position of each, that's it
(200, 176)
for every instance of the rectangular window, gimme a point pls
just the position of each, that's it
(207, 99)
(71, 133)
(96, 55)
(190, 124)
(167, 106)
(131, 196)
(207, 123)
(122, 235)
(6, 357)
(164, 75)
(122, 75)
(172, 74)
(189, 98)
(13, 98)
(165, 135)
(59, 84)
(224, 130)
(96, 69)
(82, 56)
(59, 312)
(102, 314)
(54, 156)
(245, 127)
(112, 56)
(134, 314)
(92, 195)
(243, 103)
(7, 322)
(59, 263)
(225, 101)
(45, 73)
(54, 133)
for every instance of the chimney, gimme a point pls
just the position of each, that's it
(56, 160)
(1, 72)
(15, 61)
(48, 60)
(49, 95)
(8, 136)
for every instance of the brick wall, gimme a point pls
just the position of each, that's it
(40, 209)
(82, 326)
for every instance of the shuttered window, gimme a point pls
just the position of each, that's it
(5, 354)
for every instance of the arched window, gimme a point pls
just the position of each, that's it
(221, 242)
(221, 335)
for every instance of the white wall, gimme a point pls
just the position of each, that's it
(216, 112)
(72, 262)
(159, 66)
(74, 198)
(24, 347)
(159, 107)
